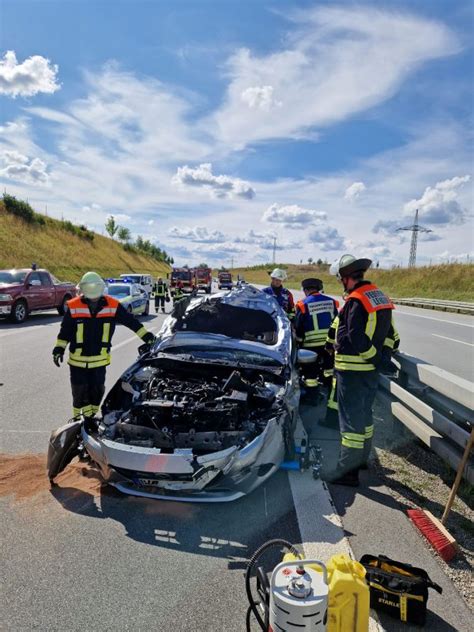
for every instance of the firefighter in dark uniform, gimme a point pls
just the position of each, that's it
(283, 297)
(88, 326)
(161, 295)
(314, 315)
(178, 292)
(364, 324)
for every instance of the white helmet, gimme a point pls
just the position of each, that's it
(348, 264)
(92, 285)
(278, 273)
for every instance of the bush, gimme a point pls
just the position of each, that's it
(19, 208)
(81, 231)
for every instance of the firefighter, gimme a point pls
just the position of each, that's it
(161, 295)
(283, 297)
(88, 326)
(178, 292)
(314, 315)
(364, 324)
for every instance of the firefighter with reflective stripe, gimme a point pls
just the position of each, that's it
(390, 347)
(88, 326)
(314, 315)
(283, 297)
(178, 292)
(161, 294)
(364, 324)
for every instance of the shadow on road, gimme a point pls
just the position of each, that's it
(228, 530)
(41, 318)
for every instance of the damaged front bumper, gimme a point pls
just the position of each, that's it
(216, 477)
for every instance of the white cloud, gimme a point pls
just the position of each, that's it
(440, 204)
(197, 234)
(292, 215)
(34, 75)
(338, 61)
(19, 167)
(253, 237)
(218, 186)
(260, 98)
(151, 222)
(327, 238)
(353, 191)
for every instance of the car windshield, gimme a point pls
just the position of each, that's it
(182, 276)
(118, 290)
(134, 277)
(236, 356)
(12, 276)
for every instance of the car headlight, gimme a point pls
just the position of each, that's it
(6, 297)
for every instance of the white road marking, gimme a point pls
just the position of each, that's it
(469, 344)
(438, 320)
(322, 533)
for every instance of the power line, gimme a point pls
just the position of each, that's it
(415, 228)
(274, 249)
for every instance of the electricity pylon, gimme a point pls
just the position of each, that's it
(415, 228)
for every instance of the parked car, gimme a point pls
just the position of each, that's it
(143, 280)
(26, 290)
(207, 414)
(132, 296)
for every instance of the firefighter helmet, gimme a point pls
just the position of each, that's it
(348, 264)
(92, 285)
(279, 274)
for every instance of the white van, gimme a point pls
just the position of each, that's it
(143, 280)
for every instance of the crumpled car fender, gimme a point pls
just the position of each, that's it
(63, 446)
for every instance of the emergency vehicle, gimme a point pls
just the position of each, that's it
(185, 275)
(203, 279)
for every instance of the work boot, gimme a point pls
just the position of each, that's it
(163, 311)
(348, 479)
(91, 424)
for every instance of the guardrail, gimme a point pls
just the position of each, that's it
(437, 406)
(460, 307)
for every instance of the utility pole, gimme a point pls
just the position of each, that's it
(274, 249)
(415, 228)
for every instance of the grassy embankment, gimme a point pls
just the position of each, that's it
(453, 281)
(65, 254)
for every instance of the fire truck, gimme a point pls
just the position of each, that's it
(224, 280)
(183, 275)
(203, 279)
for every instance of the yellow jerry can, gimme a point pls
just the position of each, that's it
(349, 599)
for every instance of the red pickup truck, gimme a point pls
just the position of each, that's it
(26, 290)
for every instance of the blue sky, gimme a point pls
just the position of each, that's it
(211, 127)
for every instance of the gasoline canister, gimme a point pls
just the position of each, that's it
(298, 596)
(349, 599)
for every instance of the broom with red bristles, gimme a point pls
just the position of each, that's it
(432, 528)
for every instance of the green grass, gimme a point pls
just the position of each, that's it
(454, 281)
(64, 253)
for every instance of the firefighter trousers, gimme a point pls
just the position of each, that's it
(88, 388)
(159, 302)
(355, 396)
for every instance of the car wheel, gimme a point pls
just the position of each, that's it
(62, 309)
(19, 312)
(147, 309)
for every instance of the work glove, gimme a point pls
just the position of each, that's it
(58, 355)
(149, 338)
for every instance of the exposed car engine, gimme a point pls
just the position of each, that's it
(206, 413)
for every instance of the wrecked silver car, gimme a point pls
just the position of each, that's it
(207, 414)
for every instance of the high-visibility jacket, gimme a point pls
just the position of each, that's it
(314, 315)
(364, 324)
(89, 334)
(177, 294)
(160, 289)
(283, 297)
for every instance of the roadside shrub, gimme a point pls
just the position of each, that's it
(80, 231)
(19, 208)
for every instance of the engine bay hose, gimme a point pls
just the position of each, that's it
(253, 605)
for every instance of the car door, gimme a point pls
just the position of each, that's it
(137, 302)
(33, 290)
(48, 293)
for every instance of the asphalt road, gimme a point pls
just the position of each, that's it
(72, 560)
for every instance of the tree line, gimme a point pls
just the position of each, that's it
(124, 236)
